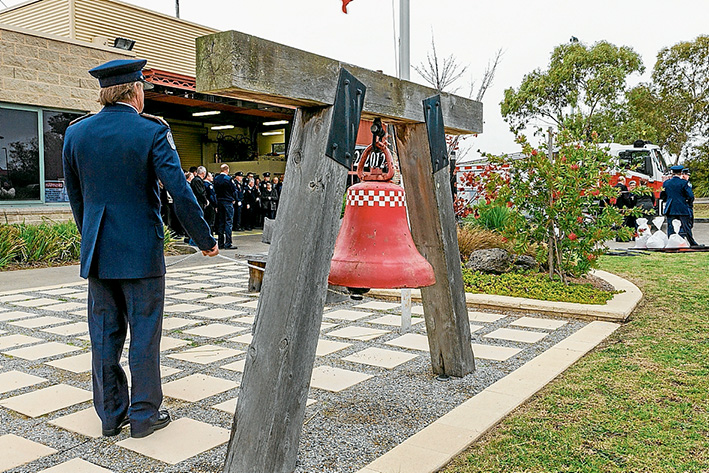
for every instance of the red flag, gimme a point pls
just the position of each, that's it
(344, 5)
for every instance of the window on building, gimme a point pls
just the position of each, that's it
(54, 127)
(19, 155)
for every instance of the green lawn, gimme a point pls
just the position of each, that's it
(637, 403)
(701, 210)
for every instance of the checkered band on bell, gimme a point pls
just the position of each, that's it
(374, 198)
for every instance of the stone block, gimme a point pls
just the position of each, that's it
(13, 37)
(27, 51)
(36, 41)
(58, 46)
(25, 74)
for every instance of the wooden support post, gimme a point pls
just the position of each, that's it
(279, 363)
(433, 228)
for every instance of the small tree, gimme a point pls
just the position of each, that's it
(560, 201)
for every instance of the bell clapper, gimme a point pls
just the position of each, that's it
(356, 293)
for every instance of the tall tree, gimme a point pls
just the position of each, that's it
(681, 87)
(580, 82)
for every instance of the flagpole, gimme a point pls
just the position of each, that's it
(404, 40)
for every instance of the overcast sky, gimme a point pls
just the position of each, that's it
(527, 31)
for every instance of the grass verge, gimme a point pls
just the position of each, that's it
(638, 403)
(533, 286)
(701, 210)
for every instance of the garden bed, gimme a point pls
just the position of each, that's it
(591, 290)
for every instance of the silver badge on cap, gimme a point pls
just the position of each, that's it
(171, 140)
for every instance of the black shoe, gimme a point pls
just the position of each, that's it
(229, 247)
(161, 422)
(117, 430)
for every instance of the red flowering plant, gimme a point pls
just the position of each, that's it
(486, 186)
(558, 202)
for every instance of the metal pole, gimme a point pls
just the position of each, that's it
(405, 310)
(404, 40)
(177, 8)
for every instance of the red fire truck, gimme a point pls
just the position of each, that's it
(640, 161)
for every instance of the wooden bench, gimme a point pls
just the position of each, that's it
(256, 275)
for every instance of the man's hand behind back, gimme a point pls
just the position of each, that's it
(213, 252)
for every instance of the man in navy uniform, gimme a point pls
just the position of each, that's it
(226, 199)
(112, 163)
(679, 198)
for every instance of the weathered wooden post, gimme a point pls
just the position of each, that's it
(425, 170)
(279, 363)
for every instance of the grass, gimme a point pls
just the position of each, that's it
(637, 403)
(533, 286)
(701, 210)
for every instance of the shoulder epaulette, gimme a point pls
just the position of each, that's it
(155, 119)
(77, 120)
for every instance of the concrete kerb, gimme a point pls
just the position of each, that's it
(432, 448)
(617, 309)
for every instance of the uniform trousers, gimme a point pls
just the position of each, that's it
(225, 223)
(113, 306)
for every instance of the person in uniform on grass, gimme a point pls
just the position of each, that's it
(112, 162)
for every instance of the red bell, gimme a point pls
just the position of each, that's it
(374, 248)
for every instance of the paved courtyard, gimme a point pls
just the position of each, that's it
(371, 389)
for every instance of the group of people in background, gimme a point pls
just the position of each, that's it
(230, 203)
(677, 195)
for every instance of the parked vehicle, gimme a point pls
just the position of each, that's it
(641, 160)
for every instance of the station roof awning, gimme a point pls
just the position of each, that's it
(174, 95)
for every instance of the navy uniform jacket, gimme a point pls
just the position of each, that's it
(678, 196)
(224, 188)
(211, 194)
(112, 163)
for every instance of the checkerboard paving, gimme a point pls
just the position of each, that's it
(45, 361)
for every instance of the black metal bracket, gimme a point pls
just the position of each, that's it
(347, 110)
(433, 113)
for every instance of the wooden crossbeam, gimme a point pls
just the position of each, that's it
(239, 65)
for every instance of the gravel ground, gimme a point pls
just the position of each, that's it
(342, 431)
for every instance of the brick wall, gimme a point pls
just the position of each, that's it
(50, 71)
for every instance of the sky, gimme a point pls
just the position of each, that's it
(472, 31)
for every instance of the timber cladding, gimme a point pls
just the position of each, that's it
(49, 71)
(243, 66)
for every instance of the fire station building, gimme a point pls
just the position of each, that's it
(46, 49)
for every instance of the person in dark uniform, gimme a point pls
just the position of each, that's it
(239, 205)
(226, 198)
(269, 201)
(251, 205)
(112, 162)
(679, 199)
(210, 213)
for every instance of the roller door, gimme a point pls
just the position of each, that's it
(188, 141)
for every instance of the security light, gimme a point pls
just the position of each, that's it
(223, 127)
(123, 43)
(277, 122)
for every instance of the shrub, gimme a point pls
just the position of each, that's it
(556, 201)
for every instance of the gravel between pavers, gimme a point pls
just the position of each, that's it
(342, 431)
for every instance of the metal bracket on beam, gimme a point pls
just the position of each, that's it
(433, 113)
(349, 101)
